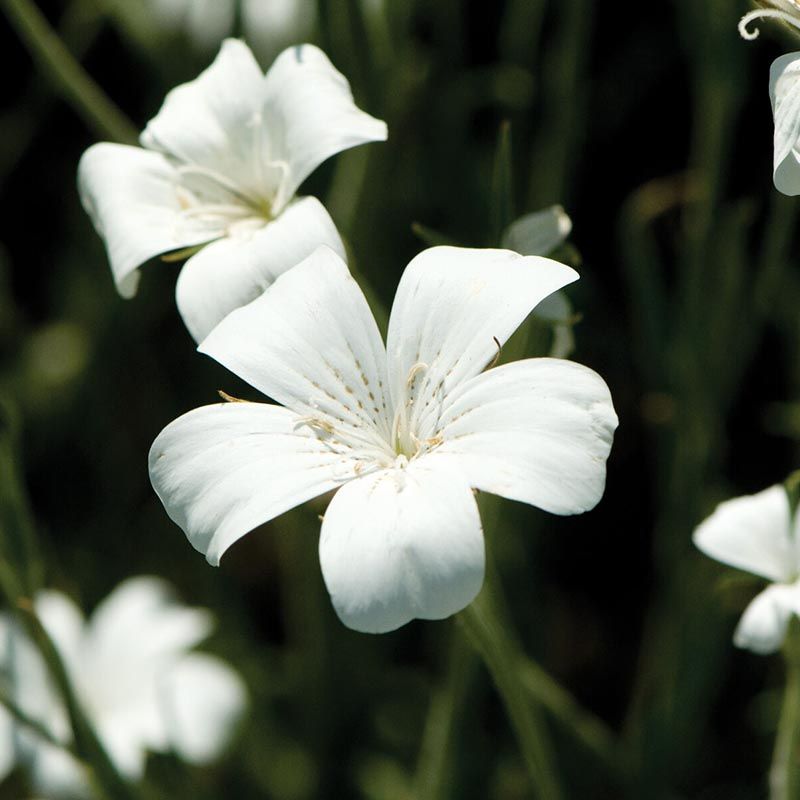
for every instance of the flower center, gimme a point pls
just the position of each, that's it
(212, 203)
(405, 441)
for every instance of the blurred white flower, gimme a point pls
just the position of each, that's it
(784, 92)
(219, 168)
(138, 680)
(757, 533)
(539, 234)
(267, 25)
(404, 431)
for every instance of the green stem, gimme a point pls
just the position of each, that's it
(67, 75)
(784, 774)
(24, 719)
(584, 726)
(108, 782)
(435, 756)
(488, 634)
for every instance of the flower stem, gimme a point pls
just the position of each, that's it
(67, 75)
(784, 773)
(584, 726)
(435, 757)
(488, 634)
(108, 782)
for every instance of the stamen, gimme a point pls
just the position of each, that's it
(497, 354)
(315, 424)
(420, 366)
(765, 13)
(229, 398)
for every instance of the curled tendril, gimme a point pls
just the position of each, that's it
(772, 13)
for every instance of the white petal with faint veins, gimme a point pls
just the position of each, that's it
(538, 431)
(231, 272)
(401, 544)
(311, 343)
(212, 121)
(222, 470)
(453, 308)
(133, 199)
(310, 115)
(784, 90)
(752, 533)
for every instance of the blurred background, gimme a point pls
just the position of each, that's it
(650, 123)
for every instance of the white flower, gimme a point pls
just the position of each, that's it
(539, 234)
(219, 166)
(756, 533)
(784, 92)
(136, 676)
(404, 431)
(265, 23)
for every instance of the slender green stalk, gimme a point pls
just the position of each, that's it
(24, 719)
(109, 783)
(490, 637)
(435, 756)
(784, 774)
(583, 725)
(67, 75)
(502, 194)
(17, 537)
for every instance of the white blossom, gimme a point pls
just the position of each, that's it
(404, 431)
(218, 169)
(757, 533)
(784, 92)
(136, 675)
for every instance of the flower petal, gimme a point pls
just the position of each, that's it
(64, 623)
(133, 200)
(538, 431)
(204, 700)
(55, 773)
(212, 121)
(137, 629)
(763, 625)
(231, 272)
(311, 343)
(401, 544)
(752, 533)
(784, 91)
(453, 307)
(539, 233)
(310, 115)
(222, 470)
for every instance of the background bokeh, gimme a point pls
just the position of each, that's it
(650, 123)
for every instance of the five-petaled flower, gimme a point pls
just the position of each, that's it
(784, 92)
(219, 168)
(404, 431)
(758, 533)
(137, 679)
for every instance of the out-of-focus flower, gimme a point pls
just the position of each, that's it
(784, 93)
(539, 234)
(218, 172)
(267, 25)
(404, 431)
(136, 676)
(759, 534)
